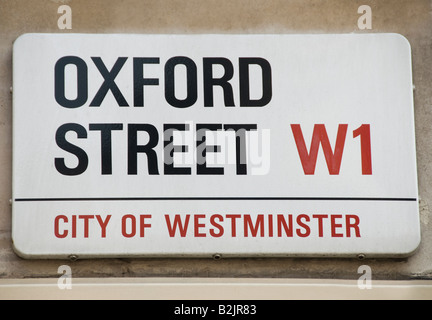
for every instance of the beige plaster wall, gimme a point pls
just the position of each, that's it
(411, 18)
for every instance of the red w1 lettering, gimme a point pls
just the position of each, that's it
(333, 157)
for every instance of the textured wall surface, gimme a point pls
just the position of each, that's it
(413, 19)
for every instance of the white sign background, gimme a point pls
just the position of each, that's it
(316, 79)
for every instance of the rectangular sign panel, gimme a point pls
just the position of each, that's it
(213, 145)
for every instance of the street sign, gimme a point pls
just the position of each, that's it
(213, 145)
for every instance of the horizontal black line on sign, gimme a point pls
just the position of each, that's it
(216, 199)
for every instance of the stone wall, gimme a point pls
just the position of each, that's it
(413, 19)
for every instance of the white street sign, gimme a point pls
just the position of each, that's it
(202, 145)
